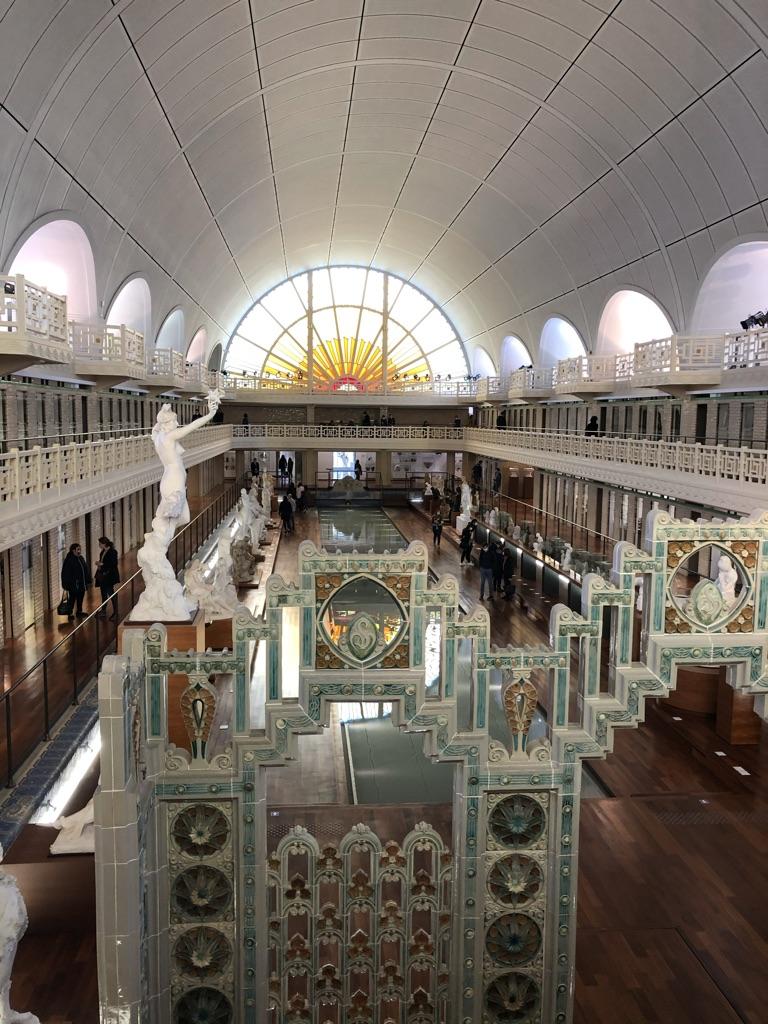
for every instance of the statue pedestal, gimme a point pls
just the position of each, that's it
(462, 520)
(218, 634)
(251, 584)
(182, 636)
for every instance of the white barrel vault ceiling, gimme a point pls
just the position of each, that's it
(514, 159)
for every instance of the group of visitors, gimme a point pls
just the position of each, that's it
(294, 500)
(285, 467)
(383, 421)
(495, 561)
(76, 579)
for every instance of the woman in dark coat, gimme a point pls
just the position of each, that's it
(107, 575)
(75, 579)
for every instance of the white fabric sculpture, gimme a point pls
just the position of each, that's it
(567, 554)
(163, 599)
(538, 544)
(13, 924)
(76, 832)
(727, 578)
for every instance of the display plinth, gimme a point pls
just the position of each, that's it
(218, 634)
(253, 583)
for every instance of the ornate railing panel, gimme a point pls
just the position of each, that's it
(359, 931)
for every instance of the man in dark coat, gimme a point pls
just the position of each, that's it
(75, 579)
(107, 575)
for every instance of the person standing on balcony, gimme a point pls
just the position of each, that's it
(593, 427)
(485, 561)
(501, 420)
(282, 465)
(75, 579)
(457, 422)
(245, 421)
(358, 470)
(107, 576)
(366, 419)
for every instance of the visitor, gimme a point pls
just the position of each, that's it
(485, 561)
(437, 530)
(593, 427)
(300, 500)
(466, 541)
(289, 467)
(107, 576)
(507, 574)
(284, 511)
(366, 419)
(75, 579)
(457, 422)
(358, 470)
(434, 499)
(292, 505)
(245, 420)
(498, 565)
(497, 481)
(282, 465)
(477, 473)
(501, 421)
(255, 468)
(391, 421)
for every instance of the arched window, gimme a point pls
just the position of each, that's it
(197, 347)
(171, 333)
(629, 318)
(338, 322)
(58, 256)
(559, 340)
(514, 354)
(482, 362)
(214, 359)
(132, 306)
(735, 288)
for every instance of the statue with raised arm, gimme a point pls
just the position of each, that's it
(13, 924)
(163, 599)
(727, 578)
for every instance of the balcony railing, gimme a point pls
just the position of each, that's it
(107, 343)
(242, 385)
(581, 370)
(29, 309)
(199, 377)
(165, 362)
(746, 351)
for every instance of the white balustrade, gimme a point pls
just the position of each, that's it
(198, 377)
(680, 354)
(579, 370)
(108, 344)
(33, 324)
(747, 350)
(165, 362)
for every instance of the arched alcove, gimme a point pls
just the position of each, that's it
(132, 306)
(514, 354)
(171, 333)
(735, 287)
(559, 340)
(214, 359)
(629, 318)
(58, 256)
(198, 345)
(482, 362)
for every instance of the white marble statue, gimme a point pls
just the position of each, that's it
(13, 924)
(727, 578)
(244, 516)
(639, 593)
(243, 562)
(466, 498)
(565, 562)
(253, 497)
(76, 832)
(427, 487)
(538, 544)
(516, 533)
(217, 599)
(493, 519)
(163, 599)
(267, 490)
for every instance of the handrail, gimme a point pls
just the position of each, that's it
(221, 503)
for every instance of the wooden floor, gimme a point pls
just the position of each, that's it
(673, 899)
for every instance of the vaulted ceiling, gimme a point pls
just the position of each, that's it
(514, 159)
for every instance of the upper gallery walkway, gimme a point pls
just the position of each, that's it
(35, 329)
(41, 487)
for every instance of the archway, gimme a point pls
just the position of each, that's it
(198, 345)
(559, 340)
(171, 333)
(58, 256)
(482, 362)
(132, 306)
(630, 318)
(514, 354)
(733, 289)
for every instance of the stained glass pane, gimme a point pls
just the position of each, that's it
(348, 322)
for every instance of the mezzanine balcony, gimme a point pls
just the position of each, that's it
(198, 379)
(107, 354)
(165, 370)
(532, 385)
(680, 363)
(745, 359)
(33, 325)
(585, 376)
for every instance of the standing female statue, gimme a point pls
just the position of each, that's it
(163, 599)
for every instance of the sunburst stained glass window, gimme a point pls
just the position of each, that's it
(336, 326)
